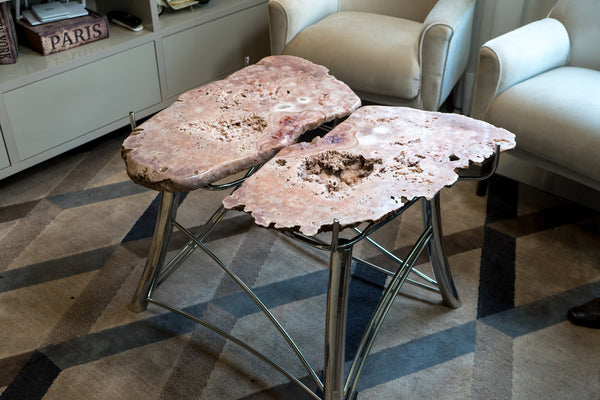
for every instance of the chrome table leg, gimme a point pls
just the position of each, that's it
(335, 320)
(437, 253)
(158, 251)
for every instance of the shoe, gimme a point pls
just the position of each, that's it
(587, 315)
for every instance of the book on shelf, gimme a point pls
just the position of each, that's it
(9, 50)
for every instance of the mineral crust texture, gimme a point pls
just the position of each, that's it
(230, 125)
(366, 168)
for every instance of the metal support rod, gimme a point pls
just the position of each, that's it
(189, 248)
(390, 273)
(158, 250)
(234, 183)
(257, 301)
(335, 320)
(132, 122)
(240, 343)
(394, 258)
(382, 310)
(437, 253)
(212, 221)
(488, 169)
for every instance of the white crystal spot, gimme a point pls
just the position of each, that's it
(381, 129)
(284, 106)
(367, 140)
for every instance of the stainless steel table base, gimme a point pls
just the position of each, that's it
(335, 385)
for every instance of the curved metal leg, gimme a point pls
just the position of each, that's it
(437, 253)
(158, 250)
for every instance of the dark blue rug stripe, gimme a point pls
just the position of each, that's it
(276, 294)
(112, 341)
(366, 289)
(497, 273)
(16, 211)
(286, 391)
(97, 194)
(398, 361)
(33, 380)
(497, 270)
(502, 201)
(59, 268)
(552, 218)
(541, 314)
(96, 346)
(144, 226)
(460, 341)
(417, 355)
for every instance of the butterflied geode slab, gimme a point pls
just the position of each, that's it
(365, 168)
(230, 125)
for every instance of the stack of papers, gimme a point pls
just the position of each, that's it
(54, 11)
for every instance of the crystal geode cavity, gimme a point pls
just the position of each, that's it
(230, 125)
(365, 168)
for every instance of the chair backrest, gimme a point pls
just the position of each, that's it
(581, 18)
(415, 10)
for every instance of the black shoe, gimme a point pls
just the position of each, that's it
(587, 315)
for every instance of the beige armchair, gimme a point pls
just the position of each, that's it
(542, 82)
(395, 52)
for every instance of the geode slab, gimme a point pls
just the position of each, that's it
(366, 168)
(230, 125)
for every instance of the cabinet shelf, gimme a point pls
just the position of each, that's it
(173, 21)
(32, 66)
(88, 91)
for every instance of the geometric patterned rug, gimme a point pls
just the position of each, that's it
(75, 231)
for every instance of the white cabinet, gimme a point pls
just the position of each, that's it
(51, 104)
(4, 162)
(224, 43)
(62, 107)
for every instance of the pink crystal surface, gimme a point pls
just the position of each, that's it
(366, 168)
(230, 125)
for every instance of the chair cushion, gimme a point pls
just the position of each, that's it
(555, 116)
(416, 10)
(369, 52)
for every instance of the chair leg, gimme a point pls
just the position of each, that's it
(482, 187)
(158, 251)
(437, 253)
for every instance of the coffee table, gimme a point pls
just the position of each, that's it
(368, 170)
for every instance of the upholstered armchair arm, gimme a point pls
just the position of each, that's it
(444, 49)
(517, 56)
(288, 17)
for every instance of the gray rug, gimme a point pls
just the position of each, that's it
(74, 234)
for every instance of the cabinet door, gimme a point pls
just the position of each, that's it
(212, 50)
(55, 110)
(4, 162)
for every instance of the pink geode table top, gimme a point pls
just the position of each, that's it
(230, 125)
(366, 168)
